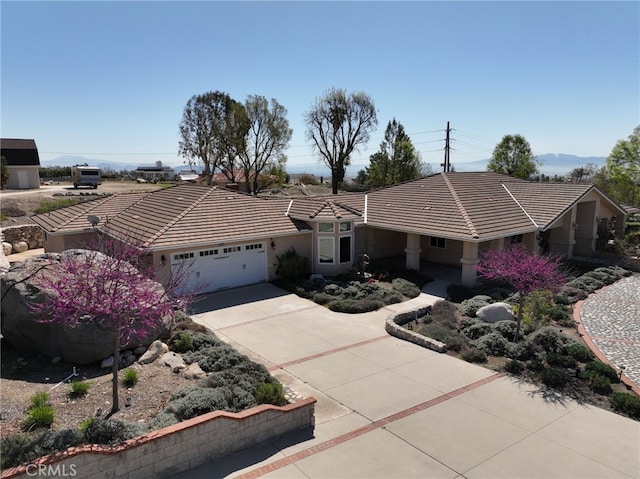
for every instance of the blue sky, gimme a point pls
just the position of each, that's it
(109, 80)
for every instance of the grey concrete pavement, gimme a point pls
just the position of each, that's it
(390, 409)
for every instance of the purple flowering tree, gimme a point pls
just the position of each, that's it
(525, 271)
(113, 286)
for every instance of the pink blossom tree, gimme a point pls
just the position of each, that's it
(525, 271)
(113, 287)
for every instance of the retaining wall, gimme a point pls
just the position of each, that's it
(31, 235)
(394, 327)
(176, 448)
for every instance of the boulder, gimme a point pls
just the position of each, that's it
(492, 313)
(194, 371)
(7, 248)
(20, 246)
(82, 343)
(173, 360)
(156, 349)
(106, 363)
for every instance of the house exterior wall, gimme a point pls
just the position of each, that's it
(449, 255)
(58, 243)
(300, 243)
(379, 243)
(23, 177)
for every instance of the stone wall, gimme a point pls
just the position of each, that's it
(176, 448)
(394, 327)
(17, 239)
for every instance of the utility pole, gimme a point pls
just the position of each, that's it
(446, 165)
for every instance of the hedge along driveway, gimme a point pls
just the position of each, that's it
(389, 408)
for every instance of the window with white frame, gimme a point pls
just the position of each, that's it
(345, 226)
(325, 227)
(325, 250)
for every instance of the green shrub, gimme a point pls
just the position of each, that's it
(475, 328)
(514, 367)
(554, 377)
(86, 424)
(162, 420)
(561, 360)
(579, 352)
(215, 358)
(322, 298)
(50, 205)
(473, 355)
(598, 367)
(79, 388)
(405, 288)
(352, 306)
(600, 384)
(112, 431)
(291, 265)
(445, 313)
(586, 284)
(493, 344)
(194, 401)
(522, 350)
(507, 329)
(181, 343)
(626, 403)
(40, 398)
(25, 448)
(536, 363)
(130, 377)
(271, 393)
(550, 340)
(469, 307)
(573, 294)
(39, 416)
(604, 277)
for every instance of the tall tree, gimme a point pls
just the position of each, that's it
(113, 288)
(396, 161)
(337, 124)
(583, 174)
(210, 130)
(267, 136)
(513, 157)
(525, 271)
(620, 178)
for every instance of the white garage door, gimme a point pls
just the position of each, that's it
(222, 267)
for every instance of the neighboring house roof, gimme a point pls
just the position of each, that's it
(19, 152)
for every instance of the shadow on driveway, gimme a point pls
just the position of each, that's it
(235, 297)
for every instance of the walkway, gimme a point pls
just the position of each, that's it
(611, 320)
(387, 408)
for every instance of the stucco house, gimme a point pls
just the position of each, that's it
(228, 239)
(23, 163)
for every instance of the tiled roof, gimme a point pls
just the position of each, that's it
(75, 218)
(465, 206)
(545, 202)
(323, 208)
(181, 215)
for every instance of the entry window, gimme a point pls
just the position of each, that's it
(437, 242)
(325, 227)
(345, 249)
(325, 250)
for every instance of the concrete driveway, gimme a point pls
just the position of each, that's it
(390, 409)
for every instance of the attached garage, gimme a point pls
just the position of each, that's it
(222, 267)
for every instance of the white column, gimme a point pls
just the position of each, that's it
(413, 251)
(469, 261)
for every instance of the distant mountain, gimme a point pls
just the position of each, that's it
(551, 163)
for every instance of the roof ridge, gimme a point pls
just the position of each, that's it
(463, 212)
(521, 207)
(180, 216)
(334, 209)
(349, 208)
